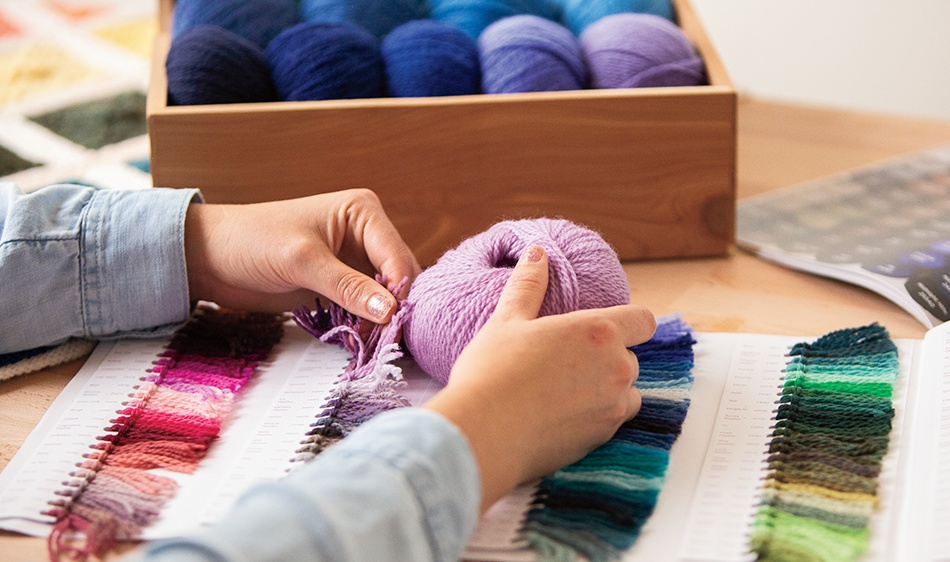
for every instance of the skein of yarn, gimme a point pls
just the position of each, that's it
(473, 16)
(431, 58)
(579, 14)
(322, 61)
(258, 21)
(207, 64)
(639, 51)
(530, 54)
(379, 17)
(451, 300)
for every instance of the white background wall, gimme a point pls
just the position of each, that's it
(870, 55)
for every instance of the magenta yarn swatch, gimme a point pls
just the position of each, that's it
(451, 300)
(170, 421)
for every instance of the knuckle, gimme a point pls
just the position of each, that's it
(600, 332)
(349, 287)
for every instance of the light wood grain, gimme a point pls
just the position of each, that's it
(778, 145)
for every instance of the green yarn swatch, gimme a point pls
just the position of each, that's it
(831, 433)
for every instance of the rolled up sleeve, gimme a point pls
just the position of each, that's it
(81, 262)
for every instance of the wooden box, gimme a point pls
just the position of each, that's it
(651, 169)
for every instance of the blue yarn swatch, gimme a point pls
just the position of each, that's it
(322, 61)
(578, 14)
(429, 58)
(473, 16)
(379, 17)
(258, 21)
(207, 64)
(597, 506)
(530, 54)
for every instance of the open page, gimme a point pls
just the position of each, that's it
(884, 227)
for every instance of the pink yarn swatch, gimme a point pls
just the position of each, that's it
(172, 419)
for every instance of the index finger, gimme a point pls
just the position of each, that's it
(637, 324)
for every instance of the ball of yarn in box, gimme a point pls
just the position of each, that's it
(431, 58)
(321, 61)
(209, 65)
(640, 50)
(258, 21)
(379, 17)
(473, 16)
(579, 14)
(530, 54)
(452, 299)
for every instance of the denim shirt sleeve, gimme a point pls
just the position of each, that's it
(402, 487)
(80, 262)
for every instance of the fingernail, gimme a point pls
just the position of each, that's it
(533, 254)
(379, 306)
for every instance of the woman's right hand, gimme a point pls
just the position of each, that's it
(535, 394)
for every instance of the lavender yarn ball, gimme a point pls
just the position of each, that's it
(379, 17)
(258, 21)
(430, 58)
(473, 16)
(207, 64)
(451, 300)
(530, 54)
(579, 14)
(323, 61)
(640, 51)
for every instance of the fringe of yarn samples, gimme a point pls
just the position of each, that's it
(169, 423)
(829, 440)
(597, 506)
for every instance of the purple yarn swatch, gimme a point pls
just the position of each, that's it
(451, 300)
(530, 54)
(640, 51)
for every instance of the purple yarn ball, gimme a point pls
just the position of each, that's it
(640, 51)
(451, 300)
(530, 54)
(208, 64)
(325, 61)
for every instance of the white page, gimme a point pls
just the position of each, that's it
(925, 534)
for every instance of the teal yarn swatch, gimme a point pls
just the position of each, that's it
(597, 506)
(831, 433)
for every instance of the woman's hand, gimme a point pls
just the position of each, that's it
(277, 256)
(534, 394)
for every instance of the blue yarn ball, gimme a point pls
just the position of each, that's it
(530, 54)
(258, 20)
(578, 14)
(640, 51)
(379, 17)
(430, 58)
(473, 16)
(321, 61)
(208, 65)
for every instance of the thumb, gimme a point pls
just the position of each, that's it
(356, 292)
(525, 289)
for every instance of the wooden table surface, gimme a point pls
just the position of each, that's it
(778, 145)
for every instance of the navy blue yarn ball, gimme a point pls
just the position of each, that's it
(578, 14)
(209, 65)
(322, 61)
(430, 58)
(379, 17)
(473, 16)
(255, 20)
(530, 54)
